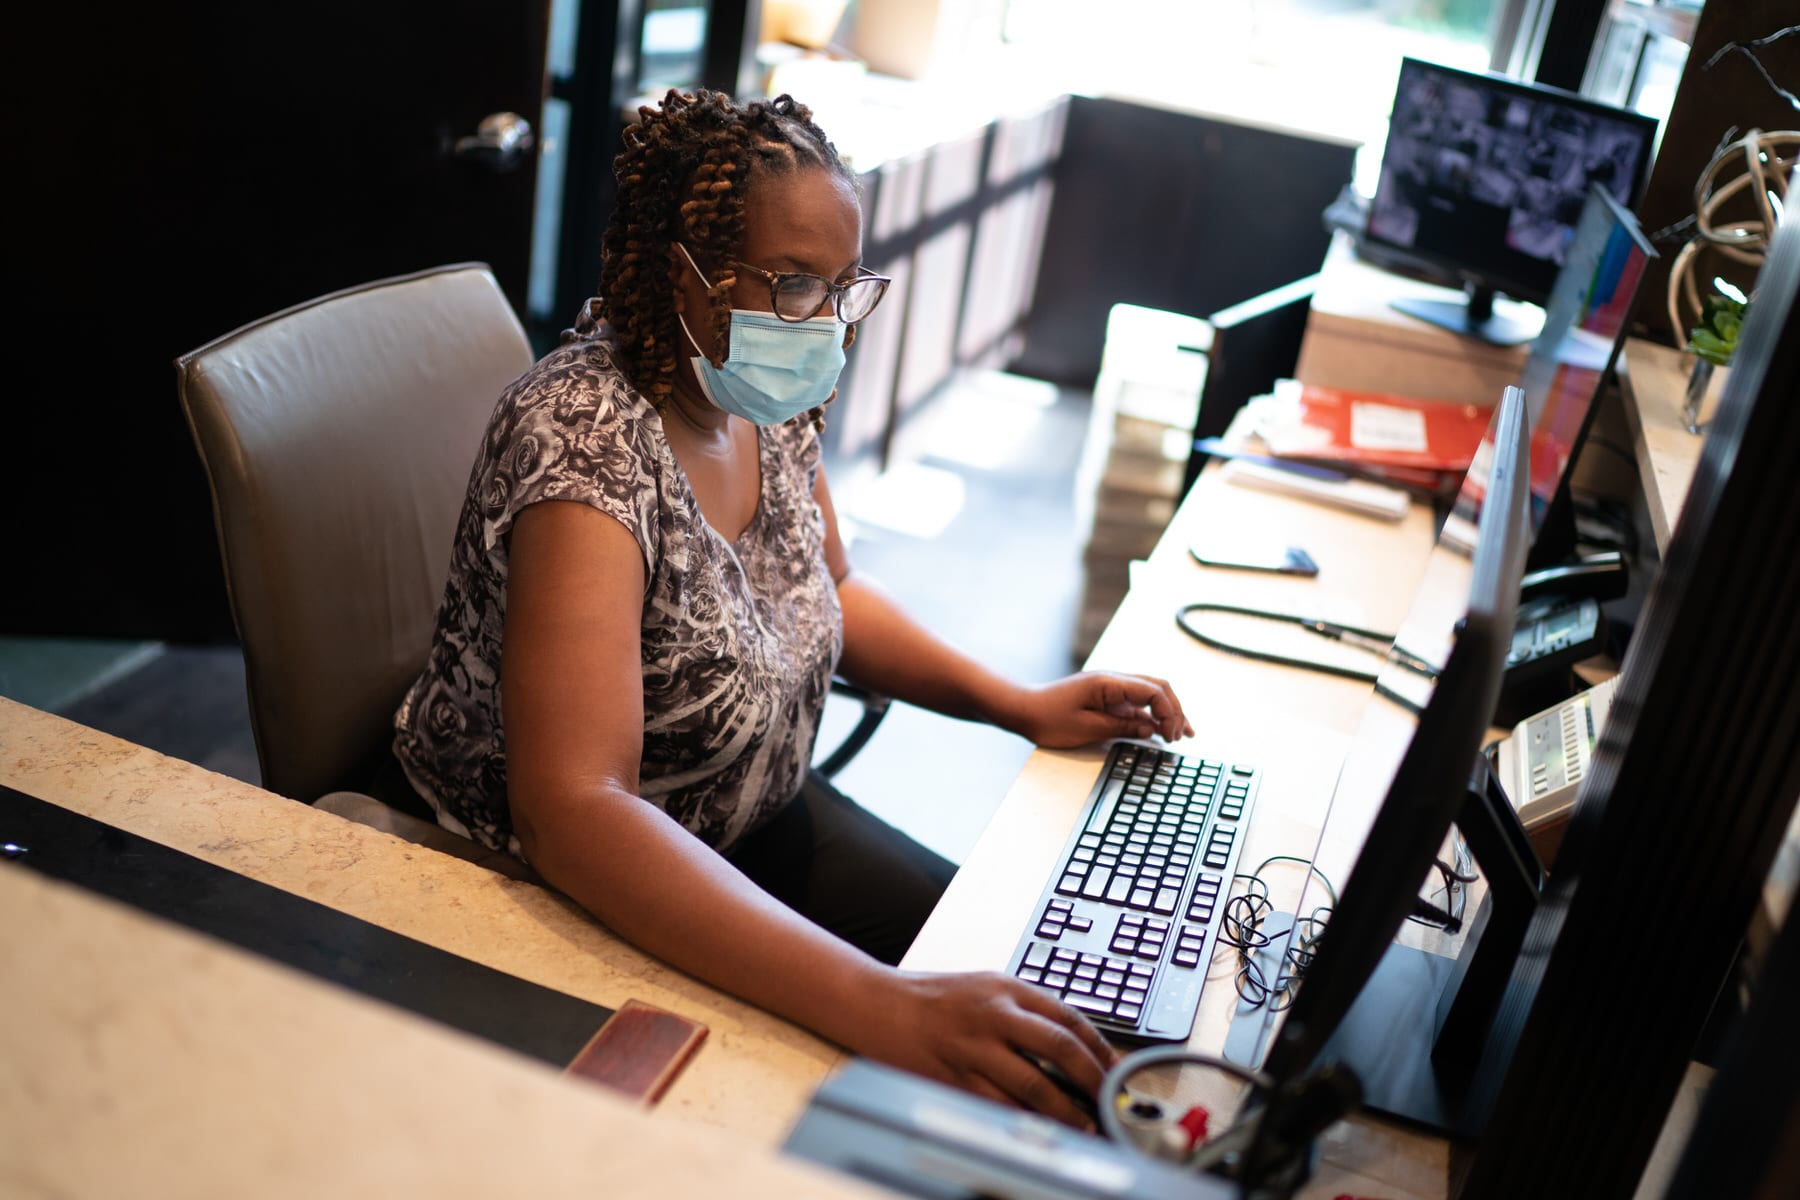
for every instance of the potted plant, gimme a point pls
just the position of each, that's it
(1712, 343)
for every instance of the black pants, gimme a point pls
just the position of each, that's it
(845, 869)
(824, 856)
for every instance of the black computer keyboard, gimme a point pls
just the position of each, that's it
(1126, 928)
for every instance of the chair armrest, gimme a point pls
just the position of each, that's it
(875, 707)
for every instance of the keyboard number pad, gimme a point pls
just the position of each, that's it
(1099, 986)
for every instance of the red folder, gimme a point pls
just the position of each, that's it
(1373, 428)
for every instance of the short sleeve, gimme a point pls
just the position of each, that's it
(572, 428)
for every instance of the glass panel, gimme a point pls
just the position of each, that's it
(1326, 66)
(565, 22)
(546, 222)
(673, 49)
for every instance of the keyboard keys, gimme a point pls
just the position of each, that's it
(1147, 872)
(1089, 1004)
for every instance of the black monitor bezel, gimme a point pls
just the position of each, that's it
(1431, 782)
(1481, 277)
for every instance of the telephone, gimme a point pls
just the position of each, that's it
(1542, 763)
(1559, 624)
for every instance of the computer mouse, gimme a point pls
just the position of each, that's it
(1083, 1099)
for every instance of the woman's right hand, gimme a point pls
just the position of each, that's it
(974, 1030)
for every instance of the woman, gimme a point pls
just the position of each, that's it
(648, 581)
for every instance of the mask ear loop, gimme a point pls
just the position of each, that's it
(682, 319)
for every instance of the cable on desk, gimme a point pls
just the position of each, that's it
(1241, 927)
(1447, 914)
(1368, 639)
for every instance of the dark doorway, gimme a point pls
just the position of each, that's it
(186, 169)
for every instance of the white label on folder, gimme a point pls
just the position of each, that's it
(1384, 427)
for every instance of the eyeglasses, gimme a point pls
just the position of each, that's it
(797, 296)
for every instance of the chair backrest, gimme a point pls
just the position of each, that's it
(338, 437)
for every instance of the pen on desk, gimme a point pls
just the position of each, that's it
(1218, 449)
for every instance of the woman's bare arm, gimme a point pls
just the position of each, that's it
(572, 694)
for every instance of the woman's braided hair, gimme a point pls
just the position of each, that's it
(682, 177)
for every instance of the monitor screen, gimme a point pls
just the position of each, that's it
(1485, 178)
(1409, 766)
(1585, 327)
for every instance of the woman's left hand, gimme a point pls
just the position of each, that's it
(1095, 705)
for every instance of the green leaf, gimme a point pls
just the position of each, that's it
(1709, 346)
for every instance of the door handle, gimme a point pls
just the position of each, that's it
(499, 143)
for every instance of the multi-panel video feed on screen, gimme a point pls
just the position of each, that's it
(1492, 175)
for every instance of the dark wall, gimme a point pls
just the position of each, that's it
(1174, 211)
(176, 171)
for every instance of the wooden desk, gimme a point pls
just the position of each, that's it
(140, 1059)
(753, 1076)
(1295, 724)
(1653, 384)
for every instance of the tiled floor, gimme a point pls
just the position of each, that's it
(971, 530)
(1000, 578)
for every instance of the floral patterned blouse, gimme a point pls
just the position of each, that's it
(739, 638)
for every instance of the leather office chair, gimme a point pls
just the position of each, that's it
(337, 438)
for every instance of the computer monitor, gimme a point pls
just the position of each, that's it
(1364, 1000)
(1484, 178)
(1586, 324)
(1681, 812)
(1585, 327)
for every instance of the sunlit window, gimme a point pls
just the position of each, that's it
(1327, 66)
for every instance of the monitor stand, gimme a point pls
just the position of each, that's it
(1473, 316)
(1416, 1035)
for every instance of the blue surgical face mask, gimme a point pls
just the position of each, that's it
(774, 370)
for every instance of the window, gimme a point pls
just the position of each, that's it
(1325, 66)
(1639, 55)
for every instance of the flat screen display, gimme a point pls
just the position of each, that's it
(1486, 177)
(1585, 326)
(1406, 772)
